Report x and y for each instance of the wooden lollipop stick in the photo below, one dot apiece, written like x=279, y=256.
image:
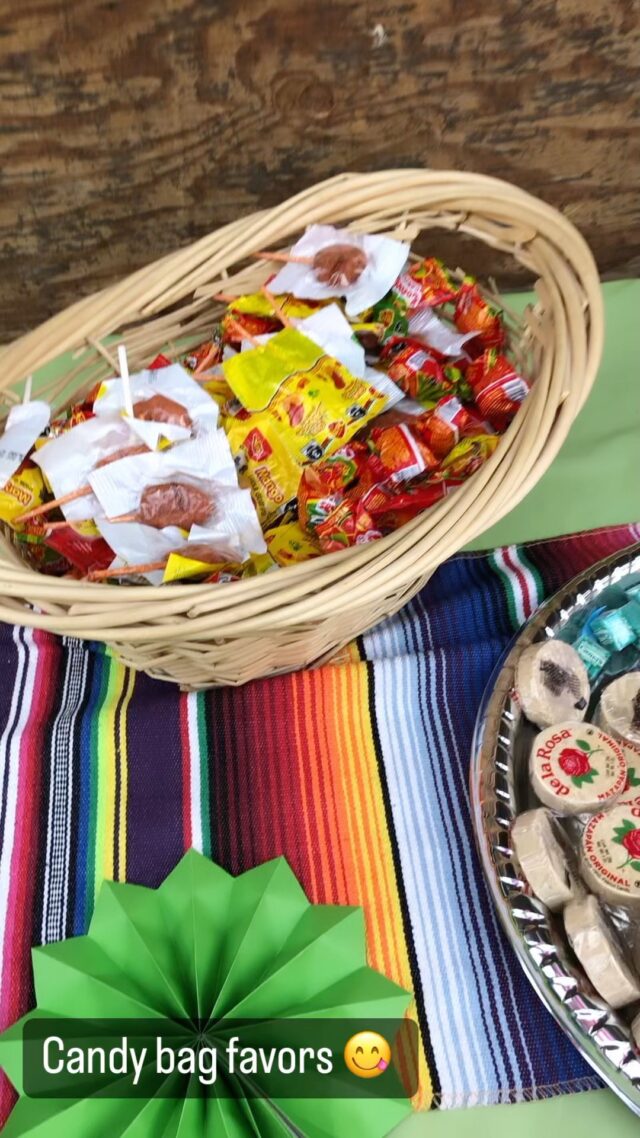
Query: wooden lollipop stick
x=126, y=570
x=241, y=331
x=287, y=258
x=72, y=496
x=133, y=517
x=277, y=307
x=208, y=359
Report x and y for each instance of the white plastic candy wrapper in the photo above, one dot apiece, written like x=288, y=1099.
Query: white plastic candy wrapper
x=207, y=458
x=599, y=953
x=68, y=460
x=386, y=259
x=174, y=383
x=25, y=423
x=135, y=544
x=543, y=858
x=233, y=530
x=435, y=333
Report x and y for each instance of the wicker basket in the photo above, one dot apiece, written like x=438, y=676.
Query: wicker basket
x=200, y=635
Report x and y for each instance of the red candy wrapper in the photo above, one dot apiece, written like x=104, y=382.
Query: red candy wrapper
x=497, y=388
x=84, y=552
x=426, y=284
x=348, y=524
x=416, y=371
x=474, y=314
x=322, y=484
x=254, y=324
x=449, y=422
x=159, y=362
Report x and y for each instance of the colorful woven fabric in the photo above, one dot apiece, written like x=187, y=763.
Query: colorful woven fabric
x=356, y=772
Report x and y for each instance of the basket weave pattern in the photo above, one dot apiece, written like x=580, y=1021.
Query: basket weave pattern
x=199, y=635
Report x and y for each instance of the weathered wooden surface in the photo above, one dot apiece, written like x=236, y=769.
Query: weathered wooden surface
x=129, y=127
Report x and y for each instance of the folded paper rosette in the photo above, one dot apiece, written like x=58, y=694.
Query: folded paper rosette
x=203, y=950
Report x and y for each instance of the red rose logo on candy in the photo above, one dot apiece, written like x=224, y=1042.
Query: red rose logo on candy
x=576, y=762
x=573, y=761
x=628, y=835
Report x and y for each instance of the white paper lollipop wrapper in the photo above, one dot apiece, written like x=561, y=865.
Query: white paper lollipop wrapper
x=173, y=382
x=135, y=544
x=435, y=333
x=67, y=461
x=233, y=530
x=25, y=423
x=386, y=259
x=205, y=459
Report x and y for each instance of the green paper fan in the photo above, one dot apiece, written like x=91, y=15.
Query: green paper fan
x=203, y=947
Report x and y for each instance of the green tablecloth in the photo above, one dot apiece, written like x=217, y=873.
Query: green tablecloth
x=595, y=481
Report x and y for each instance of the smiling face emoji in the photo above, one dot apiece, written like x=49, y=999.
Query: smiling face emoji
x=367, y=1055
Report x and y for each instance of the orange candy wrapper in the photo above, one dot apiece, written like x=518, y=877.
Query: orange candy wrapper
x=497, y=387
x=474, y=314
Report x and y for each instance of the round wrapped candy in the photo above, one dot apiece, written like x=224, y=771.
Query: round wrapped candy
x=619, y=707
x=610, y=853
x=600, y=954
x=543, y=860
x=552, y=683
x=576, y=769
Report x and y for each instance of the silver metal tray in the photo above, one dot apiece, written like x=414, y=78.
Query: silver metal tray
x=499, y=791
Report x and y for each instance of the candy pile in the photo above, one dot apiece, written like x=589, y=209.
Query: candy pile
x=355, y=391
x=580, y=848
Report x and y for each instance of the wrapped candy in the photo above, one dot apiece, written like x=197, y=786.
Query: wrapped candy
x=24, y=491
x=25, y=423
x=403, y=454
x=82, y=545
x=67, y=460
x=289, y=544
x=184, y=404
x=467, y=457
x=416, y=371
x=304, y=406
x=119, y=486
x=474, y=314
x=423, y=286
x=497, y=387
x=328, y=262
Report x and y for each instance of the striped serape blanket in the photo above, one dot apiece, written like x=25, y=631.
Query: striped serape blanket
x=357, y=772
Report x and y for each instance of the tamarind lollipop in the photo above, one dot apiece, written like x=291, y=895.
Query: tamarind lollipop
x=337, y=266
x=195, y=551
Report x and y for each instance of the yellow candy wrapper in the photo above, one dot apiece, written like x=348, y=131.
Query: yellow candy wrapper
x=289, y=543
x=468, y=456
x=257, y=304
x=179, y=567
x=24, y=490
x=265, y=464
x=303, y=406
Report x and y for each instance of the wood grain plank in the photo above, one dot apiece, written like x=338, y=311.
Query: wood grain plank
x=130, y=128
